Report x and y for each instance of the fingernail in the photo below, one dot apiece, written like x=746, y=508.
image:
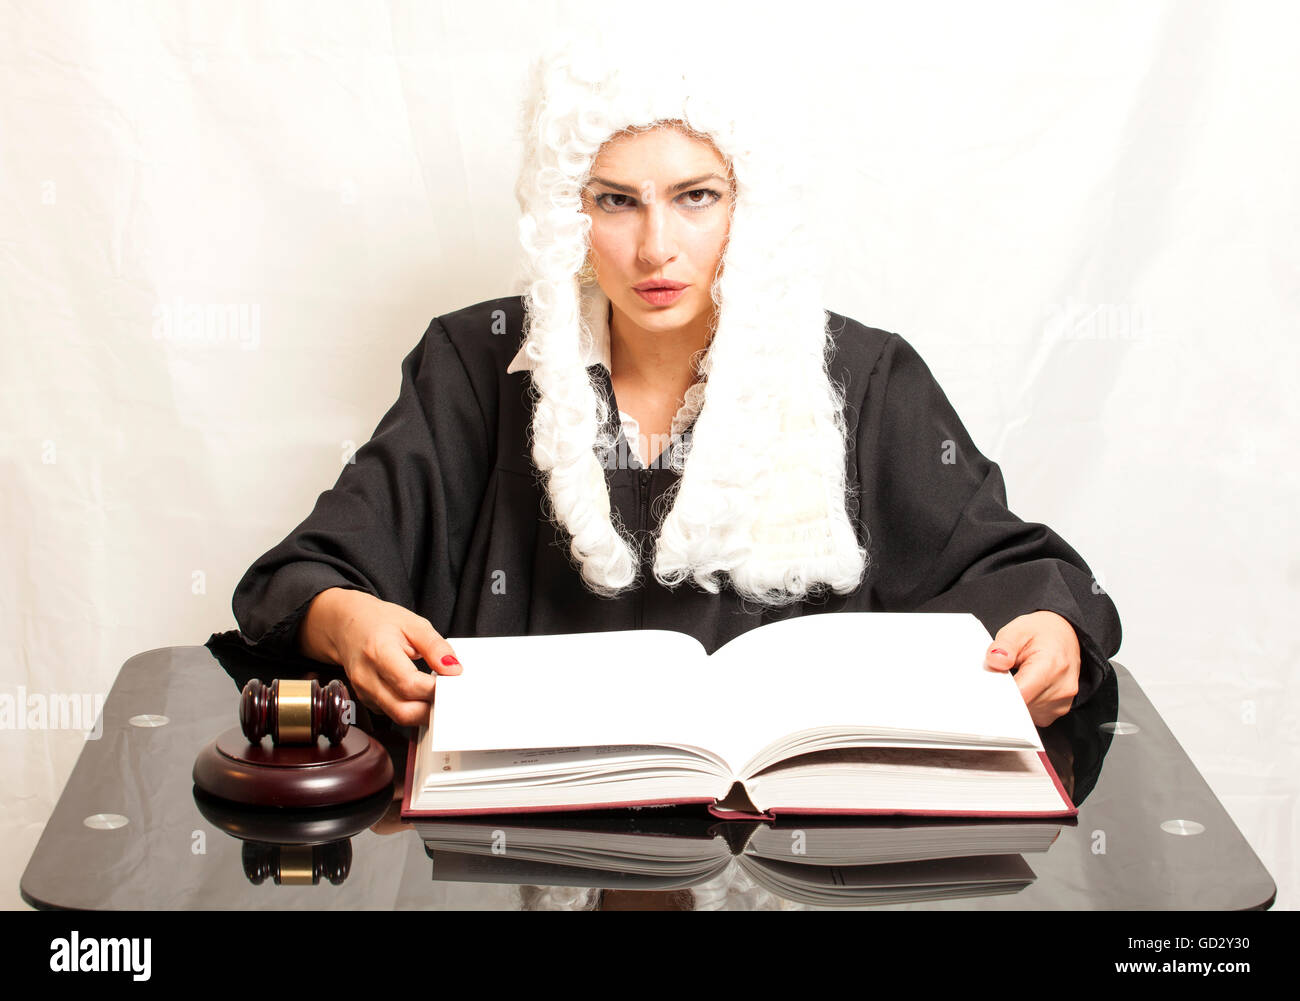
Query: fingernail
x=999, y=652
x=448, y=660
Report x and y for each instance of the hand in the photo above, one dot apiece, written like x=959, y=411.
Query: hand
x=375, y=642
x=1045, y=648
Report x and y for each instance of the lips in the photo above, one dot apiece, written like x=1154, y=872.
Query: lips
x=659, y=284
x=661, y=295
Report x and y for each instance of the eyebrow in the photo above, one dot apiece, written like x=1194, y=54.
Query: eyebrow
x=679, y=186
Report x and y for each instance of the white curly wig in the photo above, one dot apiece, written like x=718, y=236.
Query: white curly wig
x=762, y=495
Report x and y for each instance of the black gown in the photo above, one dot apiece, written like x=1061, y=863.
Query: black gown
x=442, y=512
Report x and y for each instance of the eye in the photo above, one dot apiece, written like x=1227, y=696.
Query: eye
x=598, y=199
x=713, y=198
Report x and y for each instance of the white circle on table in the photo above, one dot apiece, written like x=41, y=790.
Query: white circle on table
x=105, y=821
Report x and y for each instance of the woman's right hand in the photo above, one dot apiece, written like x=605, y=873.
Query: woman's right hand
x=375, y=642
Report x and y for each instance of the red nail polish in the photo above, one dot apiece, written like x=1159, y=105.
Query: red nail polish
x=448, y=660
x=999, y=652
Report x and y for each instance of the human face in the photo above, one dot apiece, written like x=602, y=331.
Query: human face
x=660, y=206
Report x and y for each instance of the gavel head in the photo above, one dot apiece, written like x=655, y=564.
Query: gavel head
x=293, y=711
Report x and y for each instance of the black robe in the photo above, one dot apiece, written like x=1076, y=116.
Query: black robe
x=442, y=512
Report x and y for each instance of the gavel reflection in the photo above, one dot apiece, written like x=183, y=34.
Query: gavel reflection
x=293, y=712
x=297, y=865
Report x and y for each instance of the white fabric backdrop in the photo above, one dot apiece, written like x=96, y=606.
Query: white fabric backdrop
x=1085, y=220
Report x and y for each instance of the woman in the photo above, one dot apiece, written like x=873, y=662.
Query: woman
x=667, y=430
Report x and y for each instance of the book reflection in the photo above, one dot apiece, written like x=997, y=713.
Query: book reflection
x=644, y=861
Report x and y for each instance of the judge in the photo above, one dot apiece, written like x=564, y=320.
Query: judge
x=667, y=430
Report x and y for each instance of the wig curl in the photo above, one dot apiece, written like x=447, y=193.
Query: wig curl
x=762, y=493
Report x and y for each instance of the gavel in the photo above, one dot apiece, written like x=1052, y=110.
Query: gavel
x=293, y=711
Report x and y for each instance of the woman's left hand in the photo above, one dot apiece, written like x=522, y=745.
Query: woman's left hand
x=1045, y=648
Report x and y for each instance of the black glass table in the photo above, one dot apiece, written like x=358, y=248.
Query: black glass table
x=130, y=830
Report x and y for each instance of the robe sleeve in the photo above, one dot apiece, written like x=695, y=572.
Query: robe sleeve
x=944, y=536
x=397, y=522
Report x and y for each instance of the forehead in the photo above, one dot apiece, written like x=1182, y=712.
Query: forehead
x=665, y=152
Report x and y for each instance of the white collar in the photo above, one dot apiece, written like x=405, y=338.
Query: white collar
x=595, y=310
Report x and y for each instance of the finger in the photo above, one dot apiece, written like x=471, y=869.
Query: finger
x=1047, y=711
x=362, y=685
x=431, y=646
x=408, y=713
x=1034, y=678
x=1044, y=716
x=1008, y=646
x=377, y=696
x=396, y=673
x=998, y=658
x=1046, y=686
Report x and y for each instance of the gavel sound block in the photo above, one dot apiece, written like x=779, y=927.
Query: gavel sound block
x=293, y=748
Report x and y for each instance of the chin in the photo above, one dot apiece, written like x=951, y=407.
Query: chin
x=664, y=319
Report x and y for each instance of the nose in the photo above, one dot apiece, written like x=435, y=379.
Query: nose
x=658, y=244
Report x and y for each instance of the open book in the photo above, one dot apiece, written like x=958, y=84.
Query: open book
x=834, y=713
